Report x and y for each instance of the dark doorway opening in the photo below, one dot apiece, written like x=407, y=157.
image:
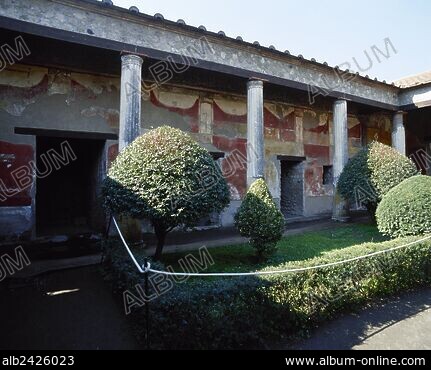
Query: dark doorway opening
x=292, y=188
x=67, y=185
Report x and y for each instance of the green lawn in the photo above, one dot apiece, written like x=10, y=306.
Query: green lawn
x=240, y=258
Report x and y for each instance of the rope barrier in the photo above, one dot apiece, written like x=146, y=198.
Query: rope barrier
x=148, y=268
x=142, y=271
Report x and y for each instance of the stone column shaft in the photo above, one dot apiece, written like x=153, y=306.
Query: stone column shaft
x=399, y=133
x=341, y=156
x=255, y=132
x=130, y=127
x=130, y=99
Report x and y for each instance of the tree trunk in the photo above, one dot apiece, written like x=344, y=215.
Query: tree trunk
x=161, y=232
x=371, y=208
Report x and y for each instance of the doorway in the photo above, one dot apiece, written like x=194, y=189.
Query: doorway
x=69, y=173
x=292, y=187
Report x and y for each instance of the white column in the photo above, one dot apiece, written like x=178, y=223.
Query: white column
x=130, y=126
x=255, y=132
x=130, y=99
x=340, y=210
x=399, y=133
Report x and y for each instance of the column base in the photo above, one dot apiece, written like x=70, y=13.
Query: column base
x=340, y=209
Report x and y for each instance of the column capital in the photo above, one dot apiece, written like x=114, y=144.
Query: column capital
x=131, y=59
x=340, y=101
x=402, y=112
x=254, y=83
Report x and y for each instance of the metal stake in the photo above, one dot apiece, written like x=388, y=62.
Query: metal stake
x=147, y=303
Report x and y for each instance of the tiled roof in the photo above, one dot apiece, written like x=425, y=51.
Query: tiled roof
x=256, y=44
x=412, y=81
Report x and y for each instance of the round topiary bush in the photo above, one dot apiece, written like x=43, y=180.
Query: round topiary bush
x=406, y=209
x=259, y=219
x=372, y=172
x=168, y=178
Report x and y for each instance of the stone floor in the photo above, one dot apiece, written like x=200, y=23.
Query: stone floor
x=403, y=322
x=71, y=309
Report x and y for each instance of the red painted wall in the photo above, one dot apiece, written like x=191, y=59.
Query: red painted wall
x=12, y=158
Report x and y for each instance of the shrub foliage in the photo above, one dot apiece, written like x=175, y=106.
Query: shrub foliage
x=372, y=172
x=168, y=178
x=406, y=209
x=259, y=219
x=249, y=312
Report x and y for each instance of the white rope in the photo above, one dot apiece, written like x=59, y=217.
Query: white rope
x=260, y=273
x=128, y=249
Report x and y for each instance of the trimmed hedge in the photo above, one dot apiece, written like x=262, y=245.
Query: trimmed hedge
x=247, y=312
x=165, y=175
x=372, y=172
x=259, y=219
x=406, y=209
x=168, y=178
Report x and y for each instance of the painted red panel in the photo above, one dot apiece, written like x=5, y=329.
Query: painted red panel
x=191, y=112
x=287, y=135
x=313, y=180
x=194, y=125
x=234, y=164
x=319, y=129
x=316, y=151
x=27, y=93
x=12, y=158
x=221, y=116
x=226, y=144
x=355, y=132
x=272, y=120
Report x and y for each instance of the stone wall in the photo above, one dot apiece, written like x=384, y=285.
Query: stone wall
x=61, y=100
x=42, y=98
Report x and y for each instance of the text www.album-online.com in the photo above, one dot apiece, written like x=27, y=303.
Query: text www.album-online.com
x=351, y=361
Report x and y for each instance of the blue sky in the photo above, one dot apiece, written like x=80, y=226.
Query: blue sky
x=330, y=31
